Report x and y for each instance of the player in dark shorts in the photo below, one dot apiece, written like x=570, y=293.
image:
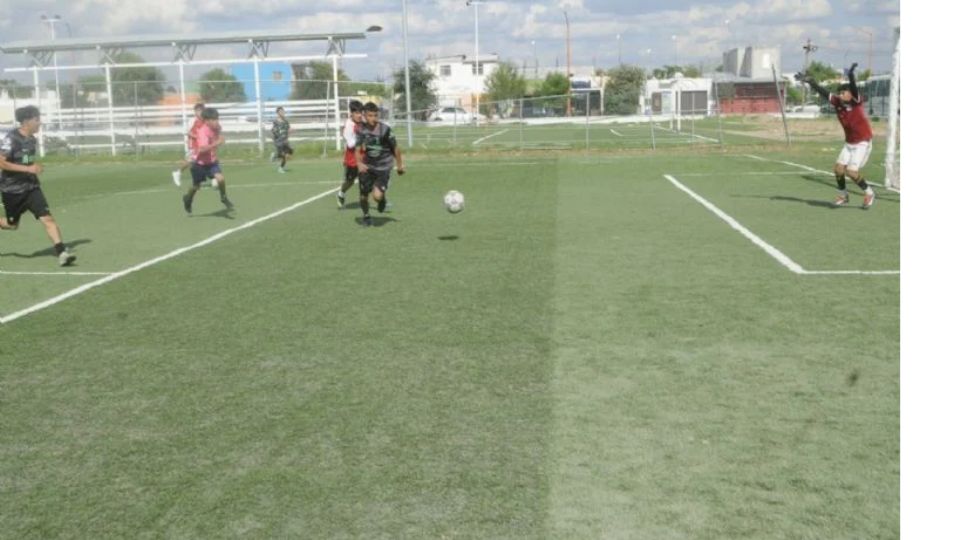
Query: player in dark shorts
x=206, y=165
x=350, y=129
x=281, y=138
x=379, y=150
x=857, y=133
x=20, y=183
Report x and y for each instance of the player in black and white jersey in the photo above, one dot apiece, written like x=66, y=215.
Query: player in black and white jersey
x=377, y=150
x=20, y=181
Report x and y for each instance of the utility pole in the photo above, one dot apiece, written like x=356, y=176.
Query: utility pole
x=808, y=49
x=569, y=72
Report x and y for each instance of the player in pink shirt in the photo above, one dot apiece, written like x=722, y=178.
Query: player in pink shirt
x=205, y=164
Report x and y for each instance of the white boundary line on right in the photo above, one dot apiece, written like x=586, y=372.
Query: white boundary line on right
x=481, y=139
x=617, y=133
x=156, y=260
x=778, y=255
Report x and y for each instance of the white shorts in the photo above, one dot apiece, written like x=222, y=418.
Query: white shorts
x=855, y=156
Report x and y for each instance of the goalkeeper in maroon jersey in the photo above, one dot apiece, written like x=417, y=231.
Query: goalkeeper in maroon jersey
x=859, y=137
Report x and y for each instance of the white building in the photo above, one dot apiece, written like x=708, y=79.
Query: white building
x=456, y=82
x=678, y=95
x=752, y=62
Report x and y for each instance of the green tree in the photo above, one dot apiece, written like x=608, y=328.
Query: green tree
x=87, y=89
x=622, y=93
x=505, y=82
x=311, y=80
x=135, y=85
x=15, y=89
x=422, y=96
x=822, y=72
x=555, y=84
x=218, y=86
x=667, y=71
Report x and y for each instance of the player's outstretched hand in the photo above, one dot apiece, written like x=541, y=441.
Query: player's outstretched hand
x=36, y=168
x=853, y=67
x=401, y=170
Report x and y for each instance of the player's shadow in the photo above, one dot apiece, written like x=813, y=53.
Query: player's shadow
x=377, y=221
x=351, y=206
x=448, y=238
x=47, y=252
x=225, y=213
x=827, y=181
x=811, y=202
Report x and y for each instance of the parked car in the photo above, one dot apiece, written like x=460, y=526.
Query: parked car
x=451, y=114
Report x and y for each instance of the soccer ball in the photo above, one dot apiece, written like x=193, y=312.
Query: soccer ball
x=454, y=202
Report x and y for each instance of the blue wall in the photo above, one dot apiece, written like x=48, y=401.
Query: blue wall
x=271, y=89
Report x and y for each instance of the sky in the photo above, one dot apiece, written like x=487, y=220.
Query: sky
x=646, y=29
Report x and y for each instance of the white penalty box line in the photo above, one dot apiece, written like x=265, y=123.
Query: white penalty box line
x=777, y=255
x=156, y=260
x=811, y=169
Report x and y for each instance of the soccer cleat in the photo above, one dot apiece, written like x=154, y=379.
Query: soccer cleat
x=341, y=200
x=842, y=199
x=66, y=258
x=367, y=221
x=281, y=170
x=176, y=178
x=188, y=204
x=868, y=199
x=226, y=202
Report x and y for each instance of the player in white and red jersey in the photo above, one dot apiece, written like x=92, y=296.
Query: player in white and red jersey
x=350, y=129
x=191, y=143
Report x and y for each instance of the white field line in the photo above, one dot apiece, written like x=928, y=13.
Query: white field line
x=180, y=251
x=778, y=255
x=481, y=139
x=230, y=186
x=771, y=173
x=772, y=251
x=711, y=139
x=15, y=273
x=806, y=168
x=617, y=133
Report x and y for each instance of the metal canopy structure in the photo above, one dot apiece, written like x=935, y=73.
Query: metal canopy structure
x=41, y=53
x=184, y=46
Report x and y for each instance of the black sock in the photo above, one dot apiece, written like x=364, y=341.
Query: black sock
x=842, y=183
x=365, y=207
x=382, y=204
x=283, y=162
x=59, y=248
x=863, y=184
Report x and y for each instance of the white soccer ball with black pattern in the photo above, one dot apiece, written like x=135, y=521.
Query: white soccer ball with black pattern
x=454, y=202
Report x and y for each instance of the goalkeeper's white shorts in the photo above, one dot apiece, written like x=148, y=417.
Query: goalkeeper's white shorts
x=854, y=156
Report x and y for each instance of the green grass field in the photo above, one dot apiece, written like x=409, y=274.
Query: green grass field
x=586, y=352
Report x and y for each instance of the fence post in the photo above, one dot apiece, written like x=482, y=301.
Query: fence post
x=326, y=123
x=36, y=89
x=183, y=108
x=336, y=97
x=256, y=86
x=783, y=112
x=653, y=132
x=716, y=107
x=588, y=120
x=113, y=133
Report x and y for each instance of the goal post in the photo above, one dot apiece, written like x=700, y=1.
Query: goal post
x=892, y=159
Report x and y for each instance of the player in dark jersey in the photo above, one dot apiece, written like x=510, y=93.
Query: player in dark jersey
x=20, y=183
x=379, y=150
x=281, y=138
x=859, y=137
x=350, y=129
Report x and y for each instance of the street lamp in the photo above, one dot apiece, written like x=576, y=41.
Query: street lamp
x=52, y=21
x=676, y=50
x=619, y=51
x=536, y=61
x=569, y=72
x=406, y=78
x=870, y=56
x=476, y=52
